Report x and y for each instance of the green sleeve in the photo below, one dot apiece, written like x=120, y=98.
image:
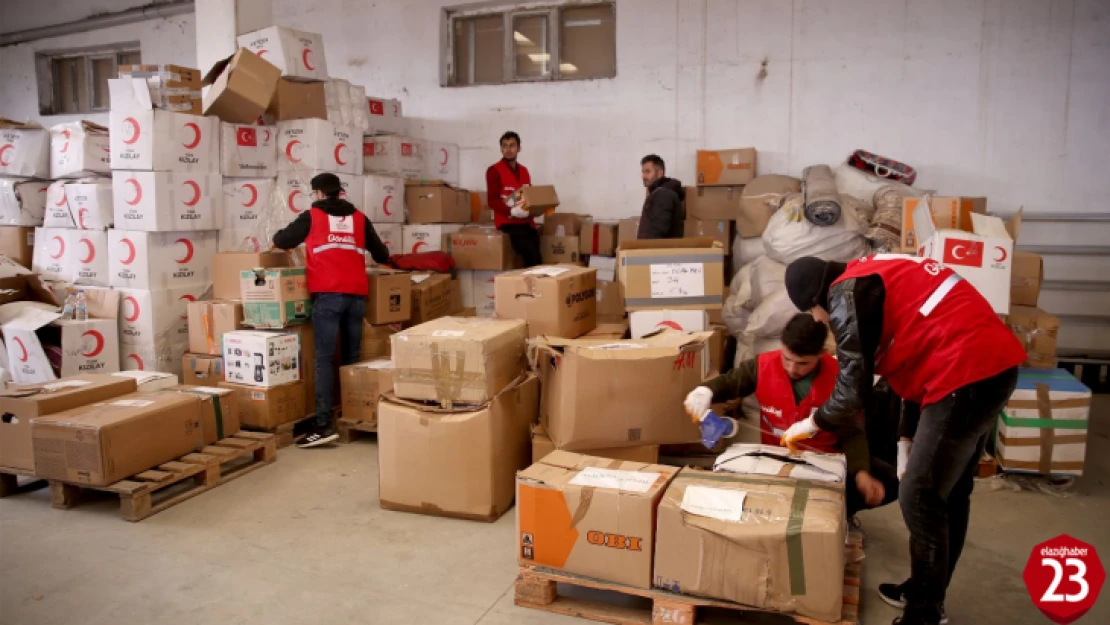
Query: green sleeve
x=736, y=384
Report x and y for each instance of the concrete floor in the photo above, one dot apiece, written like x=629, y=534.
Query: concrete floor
x=304, y=541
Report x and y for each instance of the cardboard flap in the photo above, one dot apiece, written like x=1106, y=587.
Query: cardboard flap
x=11, y=123
x=218, y=68
x=652, y=244
x=129, y=93
x=1013, y=224
x=31, y=319
x=989, y=226
x=923, y=226
x=93, y=128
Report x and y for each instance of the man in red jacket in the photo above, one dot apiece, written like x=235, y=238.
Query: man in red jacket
x=939, y=344
x=335, y=234
x=504, y=179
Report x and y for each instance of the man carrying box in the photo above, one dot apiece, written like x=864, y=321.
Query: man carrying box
x=335, y=234
x=504, y=179
x=939, y=344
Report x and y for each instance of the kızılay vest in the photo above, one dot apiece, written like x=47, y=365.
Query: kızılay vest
x=509, y=184
x=939, y=334
x=777, y=410
x=335, y=253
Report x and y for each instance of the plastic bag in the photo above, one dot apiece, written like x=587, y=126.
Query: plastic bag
x=745, y=250
x=771, y=316
x=789, y=236
x=735, y=312
x=766, y=276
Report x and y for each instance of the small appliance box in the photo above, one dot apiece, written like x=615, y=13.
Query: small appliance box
x=159, y=201
x=79, y=149
x=298, y=54
x=383, y=199
x=360, y=387
x=672, y=274
x=557, y=300
x=143, y=138
x=725, y=167
x=29, y=154
x=275, y=298
x=1043, y=428
x=319, y=144
x=258, y=358
x=248, y=151
x=393, y=155
x=390, y=299
x=590, y=516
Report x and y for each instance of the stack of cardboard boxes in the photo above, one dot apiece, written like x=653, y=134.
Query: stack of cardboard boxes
x=24, y=171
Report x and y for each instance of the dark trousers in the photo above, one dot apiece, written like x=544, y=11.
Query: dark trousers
x=880, y=470
x=936, y=490
x=336, y=318
x=526, y=242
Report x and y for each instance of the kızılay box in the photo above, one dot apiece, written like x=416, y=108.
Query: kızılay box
x=77, y=256
x=90, y=204
x=441, y=162
x=274, y=298
x=160, y=201
x=257, y=358
x=383, y=199
x=24, y=149
x=384, y=116
x=148, y=315
x=22, y=202
x=245, y=201
x=418, y=238
x=294, y=190
x=160, y=260
x=146, y=139
x=248, y=151
x=319, y=144
x=79, y=149
x=56, y=212
x=298, y=54
x=393, y=155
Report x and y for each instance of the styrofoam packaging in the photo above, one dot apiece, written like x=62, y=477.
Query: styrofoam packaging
x=145, y=139
x=441, y=162
x=418, y=238
x=248, y=151
x=246, y=202
x=24, y=150
x=160, y=201
x=383, y=199
x=384, y=116
x=388, y=154
x=53, y=253
x=296, y=53
x=295, y=191
x=22, y=202
x=318, y=144
x=161, y=355
x=260, y=358
x=56, y=211
x=160, y=260
x=243, y=241
x=79, y=149
x=88, y=257
x=145, y=315
x=392, y=235
x=90, y=204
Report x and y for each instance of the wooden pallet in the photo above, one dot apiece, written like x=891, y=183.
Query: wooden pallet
x=285, y=433
x=9, y=481
x=353, y=430
x=536, y=588
x=169, y=484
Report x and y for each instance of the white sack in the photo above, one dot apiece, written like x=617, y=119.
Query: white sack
x=771, y=316
x=745, y=250
x=790, y=236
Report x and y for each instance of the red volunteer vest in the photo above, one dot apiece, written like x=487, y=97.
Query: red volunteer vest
x=939, y=334
x=335, y=254
x=509, y=184
x=777, y=410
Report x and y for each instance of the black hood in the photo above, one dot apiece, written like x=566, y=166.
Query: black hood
x=672, y=184
x=335, y=206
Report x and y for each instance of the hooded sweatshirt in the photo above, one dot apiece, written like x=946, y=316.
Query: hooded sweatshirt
x=663, y=215
x=295, y=233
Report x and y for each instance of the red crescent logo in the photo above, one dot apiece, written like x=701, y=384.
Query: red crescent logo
x=262, y=51
x=81, y=218
x=196, y=193
x=62, y=201
x=254, y=195
x=138, y=361
x=134, y=126
x=1004, y=254
x=187, y=298
x=130, y=258
x=255, y=244
x=61, y=248
x=196, y=136
x=188, y=250
x=135, y=306
x=304, y=58
x=3, y=149
x=339, y=148
x=289, y=151
x=92, y=252
x=22, y=349
x=267, y=131
x=138, y=191
x=670, y=324
x=416, y=247
x=99, y=338
x=385, y=205
x=292, y=203
x=65, y=146
x=444, y=150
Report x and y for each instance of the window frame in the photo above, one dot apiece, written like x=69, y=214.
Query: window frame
x=49, y=88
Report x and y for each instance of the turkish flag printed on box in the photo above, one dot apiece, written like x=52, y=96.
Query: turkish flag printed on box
x=248, y=151
x=305, y=144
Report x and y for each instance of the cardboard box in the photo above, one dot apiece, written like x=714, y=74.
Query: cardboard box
x=79, y=149
x=298, y=54
x=159, y=201
x=256, y=358
x=56, y=209
x=376, y=341
x=1037, y=331
x=275, y=298
x=208, y=320
x=245, y=202
x=610, y=302
x=26, y=402
x=90, y=346
x=644, y=322
x=563, y=224
x=105, y=442
x=294, y=191
x=674, y=274
x=161, y=355
x=479, y=291
x=435, y=203
x=172, y=87
x=267, y=408
x=482, y=248
x=318, y=144
x=725, y=168
x=361, y=385
x=91, y=203
x=53, y=253
x=718, y=230
x=144, y=139
x=543, y=445
x=160, y=260
x=627, y=230
x=30, y=152
x=590, y=516
x=556, y=300
x=1025, y=279
x=384, y=117
x=219, y=410
x=608, y=330
x=983, y=257
x=1043, y=428
x=759, y=200
x=248, y=151
x=392, y=236
x=393, y=155
x=230, y=265
x=383, y=199
x=739, y=538
x=22, y=202
x=434, y=296
x=390, y=299
x=145, y=316
x=202, y=369
x=559, y=250
x=597, y=239
x=539, y=199
x=718, y=347
x=18, y=244
x=419, y=238
x=240, y=88
x=441, y=162
x=294, y=99
x=640, y=383
x=454, y=360
x=455, y=463
x=148, y=381
x=949, y=213
x=713, y=203
x=606, y=268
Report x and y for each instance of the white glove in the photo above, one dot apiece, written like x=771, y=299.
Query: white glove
x=697, y=403
x=800, y=431
x=904, y=446
x=519, y=213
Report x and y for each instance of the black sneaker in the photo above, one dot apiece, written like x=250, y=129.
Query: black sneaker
x=895, y=594
x=318, y=437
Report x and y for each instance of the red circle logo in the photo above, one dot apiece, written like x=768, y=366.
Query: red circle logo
x=5, y=148
x=134, y=316
x=191, y=145
x=138, y=361
x=196, y=193
x=1064, y=577
x=92, y=251
x=131, y=126
x=98, y=343
x=188, y=251
x=253, y=193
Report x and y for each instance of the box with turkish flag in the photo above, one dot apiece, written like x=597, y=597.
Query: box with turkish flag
x=393, y=155
x=983, y=256
x=159, y=201
x=319, y=144
x=385, y=117
x=248, y=151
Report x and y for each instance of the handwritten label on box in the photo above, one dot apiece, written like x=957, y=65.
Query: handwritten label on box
x=678, y=280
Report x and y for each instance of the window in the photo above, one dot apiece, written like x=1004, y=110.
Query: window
x=77, y=82
x=569, y=41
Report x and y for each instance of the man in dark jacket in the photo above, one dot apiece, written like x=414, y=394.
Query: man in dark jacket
x=663, y=215
x=335, y=235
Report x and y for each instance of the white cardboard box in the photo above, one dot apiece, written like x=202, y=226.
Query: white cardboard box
x=162, y=355
x=160, y=201
x=88, y=260
x=393, y=155
x=89, y=346
x=160, y=260
x=441, y=162
x=383, y=199
x=248, y=151
x=478, y=291
x=247, y=203
x=145, y=139
x=294, y=189
x=258, y=358
x=243, y=241
x=644, y=322
x=79, y=149
x=90, y=204
x=52, y=256
x=392, y=235
x=417, y=238
x=360, y=112
x=24, y=150
x=56, y=212
x=298, y=54
x=384, y=116
x=305, y=144
x=147, y=316
x=22, y=202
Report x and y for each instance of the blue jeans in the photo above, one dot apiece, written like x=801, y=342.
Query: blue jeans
x=334, y=316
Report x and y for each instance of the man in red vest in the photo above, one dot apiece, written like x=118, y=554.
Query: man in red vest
x=504, y=179
x=790, y=384
x=939, y=344
x=335, y=235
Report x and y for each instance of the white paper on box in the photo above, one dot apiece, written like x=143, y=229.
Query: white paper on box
x=417, y=238
x=91, y=204
x=629, y=481
x=245, y=202
x=132, y=403
x=160, y=260
x=383, y=199
x=56, y=212
x=550, y=272
x=298, y=54
x=248, y=151
x=79, y=149
x=22, y=202
x=155, y=201
x=54, y=387
x=716, y=503
x=144, y=139
x=677, y=280
x=305, y=144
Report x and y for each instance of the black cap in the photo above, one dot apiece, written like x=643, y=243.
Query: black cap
x=808, y=280
x=328, y=184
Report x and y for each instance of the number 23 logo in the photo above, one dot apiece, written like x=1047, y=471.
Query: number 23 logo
x=1080, y=577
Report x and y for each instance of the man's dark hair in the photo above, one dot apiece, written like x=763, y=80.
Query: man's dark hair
x=654, y=159
x=328, y=184
x=510, y=135
x=804, y=335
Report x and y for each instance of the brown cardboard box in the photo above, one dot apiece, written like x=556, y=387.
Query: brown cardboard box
x=18, y=244
x=265, y=408
x=461, y=360
x=435, y=203
x=242, y=86
x=376, y=341
x=433, y=297
x=718, y=230
x=483, y=249
x=559, y=250
x=172, y=87
x=760, y=199
x=539, y=199
x=480, y=212
x=609, y=330
x=219, y=410
x=1037, y=331
x=609, y=393
x=202, y=370
x=295, y=99
x=773, y=552
x=597, y=238
x=1026, y=278
x=275, y=298
x=390, y=299
x=360, y=386
x=713, y=203
x=455, y=463
x=103, y=443
x=308, y=361
x=563, y=224
x=22, y=402
x=717, y=344
x=590, y=516
x=209, y=320
x=725, y=167
x=226, y=267
x=672, y=274
x=948, y=213
x=543, y=445
x=556, y=300
x=610, y=304
x=627, y=230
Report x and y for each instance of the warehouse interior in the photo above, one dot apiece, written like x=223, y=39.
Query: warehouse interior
x=989, y=103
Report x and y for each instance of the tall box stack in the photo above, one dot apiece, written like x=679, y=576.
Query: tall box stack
x=24, y=169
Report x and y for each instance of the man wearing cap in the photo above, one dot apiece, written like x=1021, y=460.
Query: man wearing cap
x=335, y=235
x=940, y=345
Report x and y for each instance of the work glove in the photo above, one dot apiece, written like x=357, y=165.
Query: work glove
x=519, y=213
x=800, y=431
x=697, y=403
x=904, y=446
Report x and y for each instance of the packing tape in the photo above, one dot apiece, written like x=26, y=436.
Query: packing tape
x=692, y=257
x=794, y=557
x=1056, y=424
x=216, y=403
x=671, y=302
x=1048, y=435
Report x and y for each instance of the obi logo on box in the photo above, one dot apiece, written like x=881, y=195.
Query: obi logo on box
x=614, y=541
